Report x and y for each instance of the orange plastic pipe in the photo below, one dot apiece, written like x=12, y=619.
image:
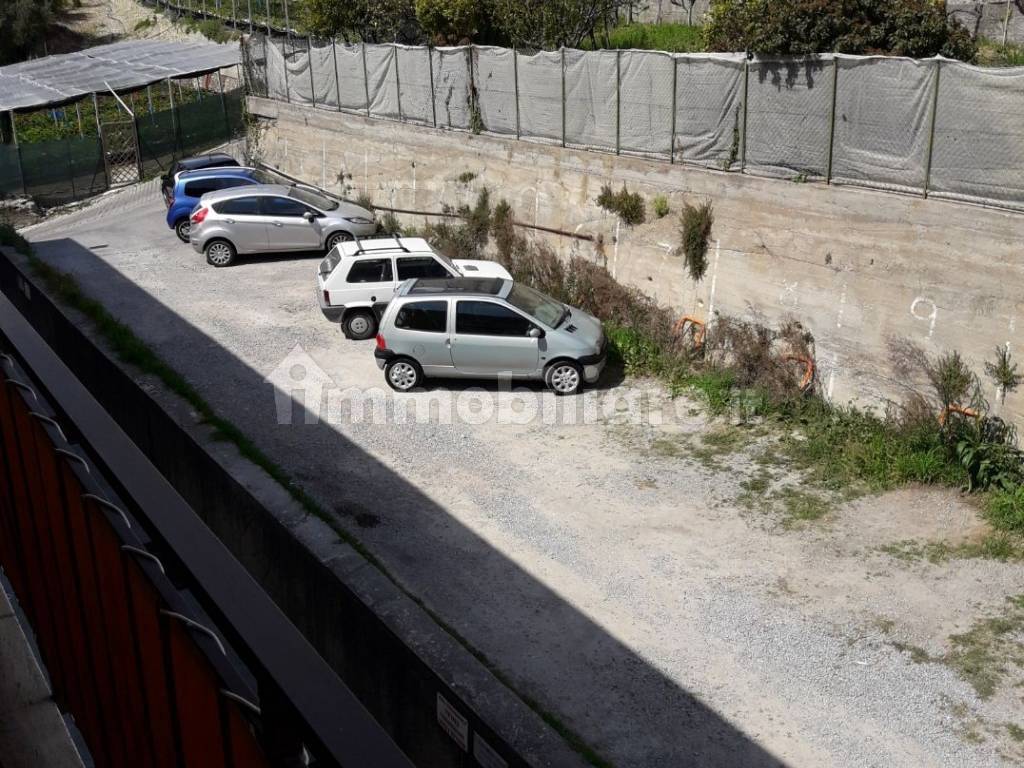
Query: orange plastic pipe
x=954, y=408
x=808, y=369
x=698, y=335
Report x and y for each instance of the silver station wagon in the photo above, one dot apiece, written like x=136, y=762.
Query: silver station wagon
x=487, y=328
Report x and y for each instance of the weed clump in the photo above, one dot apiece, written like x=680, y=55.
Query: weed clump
x=1003, y=372
x=628, y=206
x=660, y=206
x=695, y=230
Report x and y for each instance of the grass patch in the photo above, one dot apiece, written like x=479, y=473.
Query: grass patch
x=800, y=506
x=1015, y=732
x=679, y=38
x=995, y=54
x=918, y=655
x=995, y=546
x=988, y=652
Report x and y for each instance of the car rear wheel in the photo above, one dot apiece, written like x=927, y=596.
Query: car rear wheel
x=220, y=253
x=564, y=377
x=338, y=237
x=403, y=374
x=360, y=325
x=183, y=228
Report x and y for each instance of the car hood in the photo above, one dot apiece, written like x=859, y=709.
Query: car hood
x=481, y=268
x=350, y=210
x=583, y=327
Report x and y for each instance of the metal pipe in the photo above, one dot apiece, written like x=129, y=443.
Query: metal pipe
x=312, y=80
x=743, y=136
x=618, y=98
x=287, y=23
x=366, y=81
x=563, y=96
x=337, y=82
x=430, y=68
x=832, y=118
x=515, y=81
x=672, y=137
x=398, y=82
x=224, y=106
x=931, y=128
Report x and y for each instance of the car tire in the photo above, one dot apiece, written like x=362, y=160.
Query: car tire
x=337, y=237
x=564, y=377
x=220, y=253
x=360, y=325
x=182, y=229
x=403, y=374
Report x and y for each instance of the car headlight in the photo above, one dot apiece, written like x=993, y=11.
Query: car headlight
x=358, y=220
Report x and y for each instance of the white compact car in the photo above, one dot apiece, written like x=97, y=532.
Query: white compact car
x=357, y=279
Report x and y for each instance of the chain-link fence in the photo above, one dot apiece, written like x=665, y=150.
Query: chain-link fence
x=58, y=155
x=932, y=127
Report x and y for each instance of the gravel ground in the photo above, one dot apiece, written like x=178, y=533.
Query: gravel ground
x=619, y=583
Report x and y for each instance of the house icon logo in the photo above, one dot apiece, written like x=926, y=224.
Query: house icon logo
x=297, y=379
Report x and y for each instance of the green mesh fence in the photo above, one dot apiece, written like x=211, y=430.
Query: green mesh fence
x=158, y=142
x=202, y=124
x=10, y=170
x=88, y=175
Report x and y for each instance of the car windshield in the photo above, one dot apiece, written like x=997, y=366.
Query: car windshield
x=312, y=198
x=537, y=305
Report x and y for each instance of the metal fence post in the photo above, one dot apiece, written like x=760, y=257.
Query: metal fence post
x=224, y=106
x=398, y=82
x=618, y=98
x=287, y=82
x=471, y=96
x=366, y=81
x=78, y=114
x=17, y=149
x=287, y=23
x=337, y=82
x=672, y=138
x=430, y=69
x=515, y=80
x=268, y=17
x=832, y=119
x=250, y=15
x=71, y=169
x=743, y=136
x=309, y=61
x=563, y=95
x=174, y=116
x=931, y=128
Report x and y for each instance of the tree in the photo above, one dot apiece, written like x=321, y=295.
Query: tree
x=916, y=28
x=553, y=23
x=451, y=22
x=24, y=24
x=373, y=21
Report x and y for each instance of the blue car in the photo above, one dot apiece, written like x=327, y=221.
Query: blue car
x=183, y=191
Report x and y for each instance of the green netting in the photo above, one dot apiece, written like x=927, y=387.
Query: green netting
x=202, y=124
x=236, y=119
x=10, y=170
x=158, y=142
x=63, y=170
x=88, y=175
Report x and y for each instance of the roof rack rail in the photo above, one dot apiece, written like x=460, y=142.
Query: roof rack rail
x=361, y=249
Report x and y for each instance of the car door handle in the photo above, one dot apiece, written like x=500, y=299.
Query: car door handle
x=229, y=221
x=277, y=223
x=447, y=342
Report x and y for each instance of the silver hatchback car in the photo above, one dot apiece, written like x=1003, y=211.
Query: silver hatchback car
x=273, y=218
x=490, y=328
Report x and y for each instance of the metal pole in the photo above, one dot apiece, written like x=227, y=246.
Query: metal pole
x=250, y=15
x=743, y=136
x=99, y=137
x=366, y=81
x=398, y=82
x=931, y=128
x=1006, y=20
x=71, y=170
x=618, y=98
x=474, y=110
x=234, y=13
x=287, y=23
x=149, y=98
x=337, y=83
x=21, y=168
x=78, y=114
x=672, y=137
x=224, y=106
x=268, y=17
x=312, y=80
x=832, y=119
x=515, y=80
x=284, y=59
x=563, y=96
x=430, y=68
x=174, y=116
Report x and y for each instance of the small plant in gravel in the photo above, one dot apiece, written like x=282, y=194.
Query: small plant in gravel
x=628, y=206
x=660, y=206
x=465, y=177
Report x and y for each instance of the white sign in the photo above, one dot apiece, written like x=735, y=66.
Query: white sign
x=454, y=724
x=485, y=755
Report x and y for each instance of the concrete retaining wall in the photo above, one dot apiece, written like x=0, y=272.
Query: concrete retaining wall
x=856, y=267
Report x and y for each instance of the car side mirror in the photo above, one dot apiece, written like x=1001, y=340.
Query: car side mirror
x=535, y=333
x=308, y=216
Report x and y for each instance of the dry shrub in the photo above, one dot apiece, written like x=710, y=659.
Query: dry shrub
x=759, y=357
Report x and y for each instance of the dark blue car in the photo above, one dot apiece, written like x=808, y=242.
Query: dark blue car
x=183, y=192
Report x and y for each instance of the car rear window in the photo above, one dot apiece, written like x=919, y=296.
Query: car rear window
x=239, y=206
x=200, y=187
x=430, y=316
x=370, y=271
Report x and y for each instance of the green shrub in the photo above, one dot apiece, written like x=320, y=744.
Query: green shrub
x=1005, y=509
x=676, y=38
x=628, y=206
x=915, y=28
x=1003, y=372
x=695, y=224
x=660, y=205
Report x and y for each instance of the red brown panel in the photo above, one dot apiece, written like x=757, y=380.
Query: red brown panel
x=146, y=605
x=196, y=690
x=245, y=749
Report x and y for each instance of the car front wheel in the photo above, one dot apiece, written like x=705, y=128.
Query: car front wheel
x=403, y=374
x=183, y=228
x=338, y=237
x=360, y=325
x=564, y=377
x=220, y=253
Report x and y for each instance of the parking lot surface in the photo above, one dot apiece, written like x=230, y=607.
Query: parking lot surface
x=618, y=582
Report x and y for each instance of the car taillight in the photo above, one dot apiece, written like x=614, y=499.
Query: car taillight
x=380, y=342
x=327, y=297
x=198, y=216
